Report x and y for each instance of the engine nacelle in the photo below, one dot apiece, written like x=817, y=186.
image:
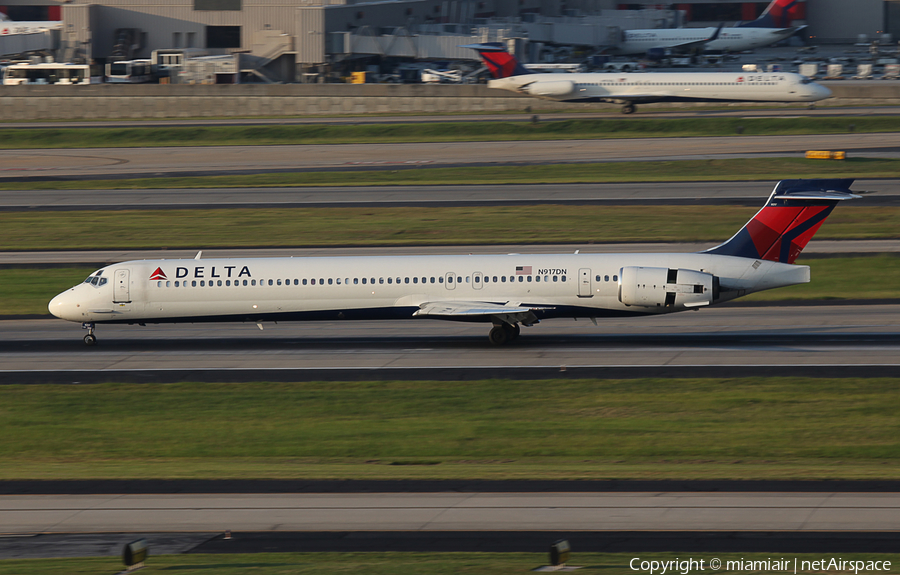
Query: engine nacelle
x=664, y=287
x=551, y=89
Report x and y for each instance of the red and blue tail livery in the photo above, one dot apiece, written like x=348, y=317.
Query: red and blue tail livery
x=792, y=215
x=498, y=60
x=779, y=14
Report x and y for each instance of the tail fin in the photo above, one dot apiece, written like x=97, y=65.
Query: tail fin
x=498, y=60
x=778, y=14
x=792, y=215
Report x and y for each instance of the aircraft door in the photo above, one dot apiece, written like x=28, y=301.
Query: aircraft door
x=584, y=283
x=121, y=286
x=450, y=280
x=477, y=279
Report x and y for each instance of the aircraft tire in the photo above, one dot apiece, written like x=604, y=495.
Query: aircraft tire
x=90, y=339
x=512, y=331
x=628, y=109
x=499, y=335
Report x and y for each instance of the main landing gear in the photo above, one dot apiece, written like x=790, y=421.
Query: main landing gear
x=629, y=108
x=504, y=333
x=90, y=338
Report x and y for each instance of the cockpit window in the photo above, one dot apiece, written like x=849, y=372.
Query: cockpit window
x=805, y=80
x=95, y=280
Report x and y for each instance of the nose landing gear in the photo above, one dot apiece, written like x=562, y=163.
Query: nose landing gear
x=90, y=339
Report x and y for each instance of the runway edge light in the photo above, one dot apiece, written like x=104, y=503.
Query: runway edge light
x=134, y=554
x=559, y=556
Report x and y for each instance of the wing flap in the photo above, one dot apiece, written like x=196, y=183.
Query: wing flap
x=509, y=312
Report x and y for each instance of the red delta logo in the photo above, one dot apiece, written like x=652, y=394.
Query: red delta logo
x=740, y=79
x=158, y=275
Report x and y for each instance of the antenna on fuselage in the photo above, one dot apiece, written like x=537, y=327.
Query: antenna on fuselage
x=197, y=257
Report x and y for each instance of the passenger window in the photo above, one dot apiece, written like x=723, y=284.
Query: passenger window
x=296, y=282
x=176, y=283
x=252, y=282
x=277, y=281
x=563, y=278
x=406, y=280
x=304, y=281
x=555, y=278
x=521, y=279
x=615, y=278
x=440, y=279
x=477, y=279
x=312, y=281
x=597, y=278
x=194, y=283
x=546, y=278
x=380, y=281
x=503, y=278
x=606, y=278
x=228, y=283
x=372, y=281
x=529, y=278
x=415, y=280
x=202, y=283
x=219, y=283
x=329, y=281
x=272, y=282
x=389, y=280
x=364, y=281
x=432, y=279
x=321, y=281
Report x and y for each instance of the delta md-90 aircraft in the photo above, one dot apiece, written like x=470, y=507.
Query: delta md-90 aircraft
x=630, y=89
x=505, y=291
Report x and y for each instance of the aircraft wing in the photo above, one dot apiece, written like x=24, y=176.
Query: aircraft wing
x=687, y=46
x=509, y=312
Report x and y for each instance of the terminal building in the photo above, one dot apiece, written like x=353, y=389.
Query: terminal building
x=297, y=40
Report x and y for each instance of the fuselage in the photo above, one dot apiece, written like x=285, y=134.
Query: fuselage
x=667, y=86
x=396, y=287
x=734, y=39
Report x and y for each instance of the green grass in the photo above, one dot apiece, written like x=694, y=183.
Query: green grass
x=435, y=132
x=495, y=429
x=760, y=169
x=399, y=226
x=402, y=563
x=27, y=291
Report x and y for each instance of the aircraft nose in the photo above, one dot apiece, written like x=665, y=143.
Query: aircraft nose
x=822, y=92
x=63, y=306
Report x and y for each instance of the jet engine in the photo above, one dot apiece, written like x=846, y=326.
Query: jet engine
x=550, y=89
x=664, y=287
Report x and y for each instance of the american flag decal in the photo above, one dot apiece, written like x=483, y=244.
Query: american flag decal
x=523, y=270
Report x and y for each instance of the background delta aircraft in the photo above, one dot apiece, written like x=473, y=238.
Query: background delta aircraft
x=630, y=89
x=502, y=290
x=8, y=27
x=773, y=25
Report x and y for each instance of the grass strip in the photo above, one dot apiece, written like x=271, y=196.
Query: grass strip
x=582, y=128
x=26, y=291
x=749, y=169
x=398, y=226
x=743, y=428
x=416, y=563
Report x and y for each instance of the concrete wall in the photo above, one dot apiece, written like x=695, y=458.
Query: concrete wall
x=179, y=101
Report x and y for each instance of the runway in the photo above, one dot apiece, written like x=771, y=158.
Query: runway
x=750, y=194
x=224, y=160
x=120, y=513
x=833, y=340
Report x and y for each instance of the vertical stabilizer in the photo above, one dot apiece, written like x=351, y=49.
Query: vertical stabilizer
x=792, y=215
x=778, y=14
x=498, y=60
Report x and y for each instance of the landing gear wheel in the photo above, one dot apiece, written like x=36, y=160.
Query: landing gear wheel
x=811, y=106
x=628, y=109
x=512, y=331
x=499, y=335
x=90, y=339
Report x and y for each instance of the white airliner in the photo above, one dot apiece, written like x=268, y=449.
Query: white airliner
x=10, y=27
x=502, y=290
x=630, y=89
x=772, y=26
